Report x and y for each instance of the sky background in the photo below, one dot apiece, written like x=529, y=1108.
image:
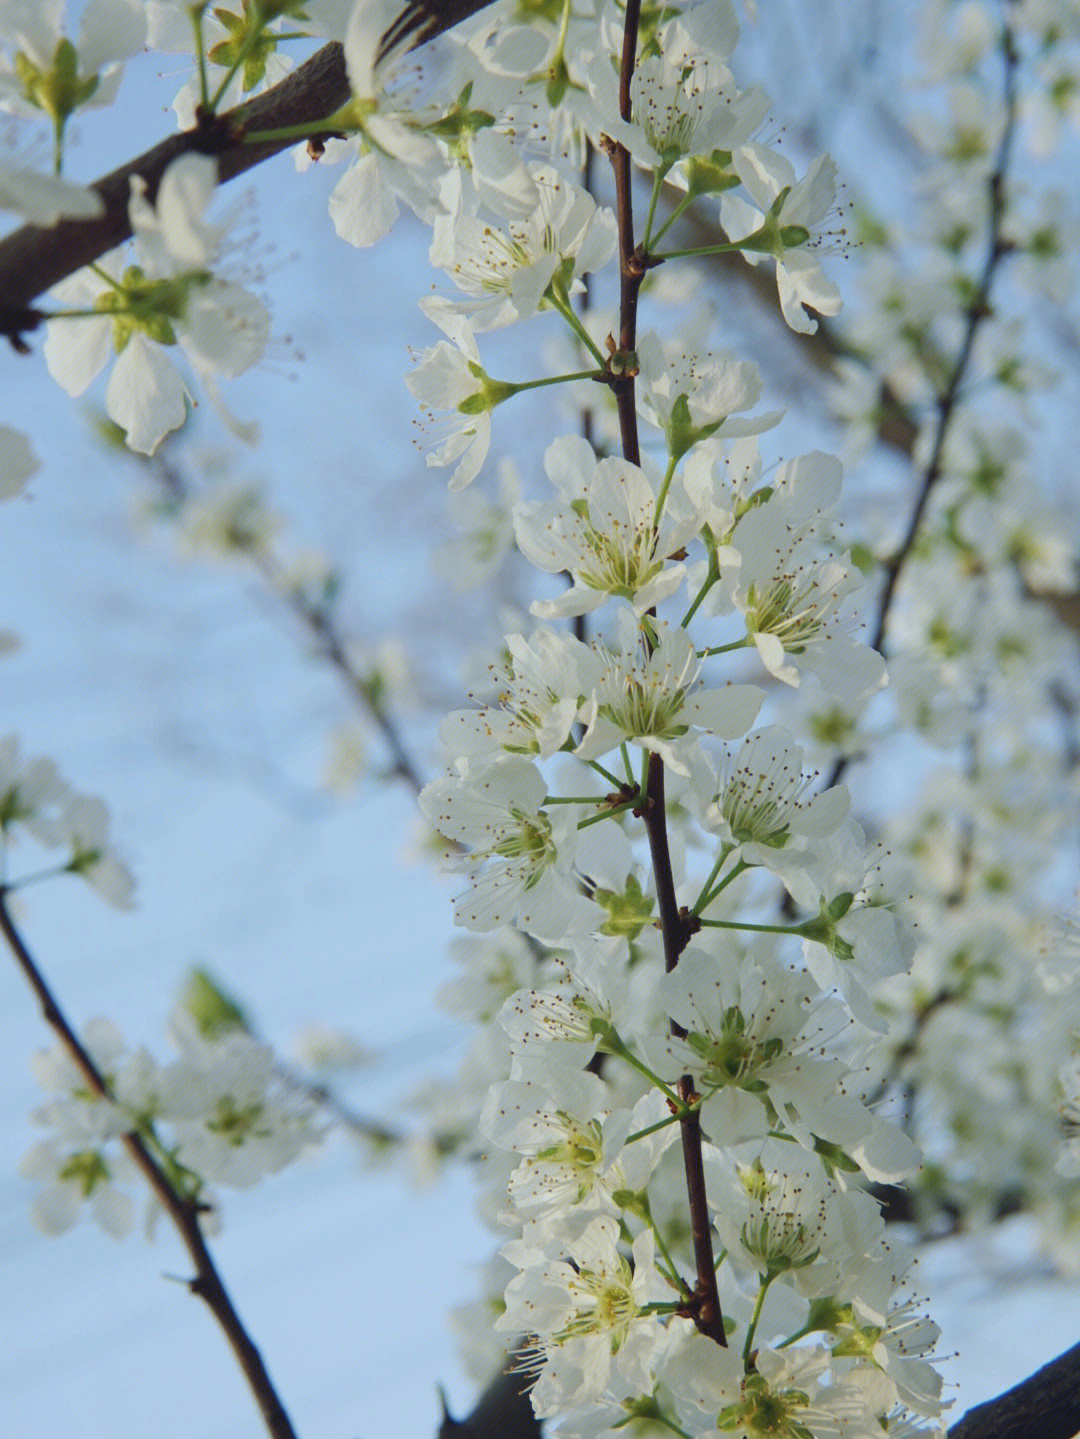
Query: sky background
x=183, y=694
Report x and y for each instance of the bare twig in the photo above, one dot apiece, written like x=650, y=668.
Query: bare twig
x=978, y=310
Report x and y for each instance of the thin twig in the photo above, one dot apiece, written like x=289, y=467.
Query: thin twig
x=978, y=310
x=184, y=1213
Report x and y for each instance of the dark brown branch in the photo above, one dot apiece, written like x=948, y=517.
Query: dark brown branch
x=1044, y=1406
x=35, y=258
x=503, y=1411
x=704, y=1307
x=183, y=1212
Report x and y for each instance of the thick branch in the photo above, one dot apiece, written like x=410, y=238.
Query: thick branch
x=184, y=1213
x=35, y=258
x=503, y=1411
x=1045, y=1406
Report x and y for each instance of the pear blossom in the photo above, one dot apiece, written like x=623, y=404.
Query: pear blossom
x=449, y=378
x=763, y=810
x=521, y=859
x=582, y=1302
x=392, y=158
x=787, y=224
x=685, y=105
x=581, y=1010
x=508, y=273
x=232, y=1119
x=70, y=1179
x=646, y=694
x=171, y=297
x=783, y=1215
x=563, y=1131
x=32, y=793
x=604, y=530
x=691, y=397
x=55, y=75
x=793, y=593
x=83, y=826
x=539, y=695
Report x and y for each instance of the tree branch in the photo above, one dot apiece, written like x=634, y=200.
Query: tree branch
x=35, y=258
x=1045, y=1406
x=183, y=1212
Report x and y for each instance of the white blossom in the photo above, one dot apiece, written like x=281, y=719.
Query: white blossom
x=604, y=530
x=521, y=859
x=787, y=224
x=647, y=694
x=507, y=273
x=171, y=297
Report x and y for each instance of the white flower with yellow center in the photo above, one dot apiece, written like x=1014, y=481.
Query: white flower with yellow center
x=793, y=591
x=520, y=859
x=507, y=273
x=646, y=695
x=585, y=1306
x=603, y=530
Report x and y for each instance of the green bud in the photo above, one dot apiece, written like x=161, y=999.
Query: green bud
x=792, y=236
x=58, y=90
x=682, y=434
x=628, y=912
x=214, y=1011
x=834, y=1159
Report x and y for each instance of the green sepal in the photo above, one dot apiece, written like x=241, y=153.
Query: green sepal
x=248, y=42
x=58, y=90
x=85, y=1168
x=491, y=392
x=834, y=1159
x=710, y=174
x=214, y=1011
x=629, y=911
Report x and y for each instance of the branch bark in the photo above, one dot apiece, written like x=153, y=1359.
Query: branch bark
x=1044, y=1406
x=35, y=258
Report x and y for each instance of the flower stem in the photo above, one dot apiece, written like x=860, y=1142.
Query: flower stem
x=566, y=310
x=752, y=1326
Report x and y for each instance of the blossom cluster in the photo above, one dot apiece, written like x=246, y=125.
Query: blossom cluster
x=675, y=1030
x=219, y=1114
x=709, y=1035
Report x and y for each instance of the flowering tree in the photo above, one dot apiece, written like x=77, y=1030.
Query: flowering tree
x=737, y=1023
